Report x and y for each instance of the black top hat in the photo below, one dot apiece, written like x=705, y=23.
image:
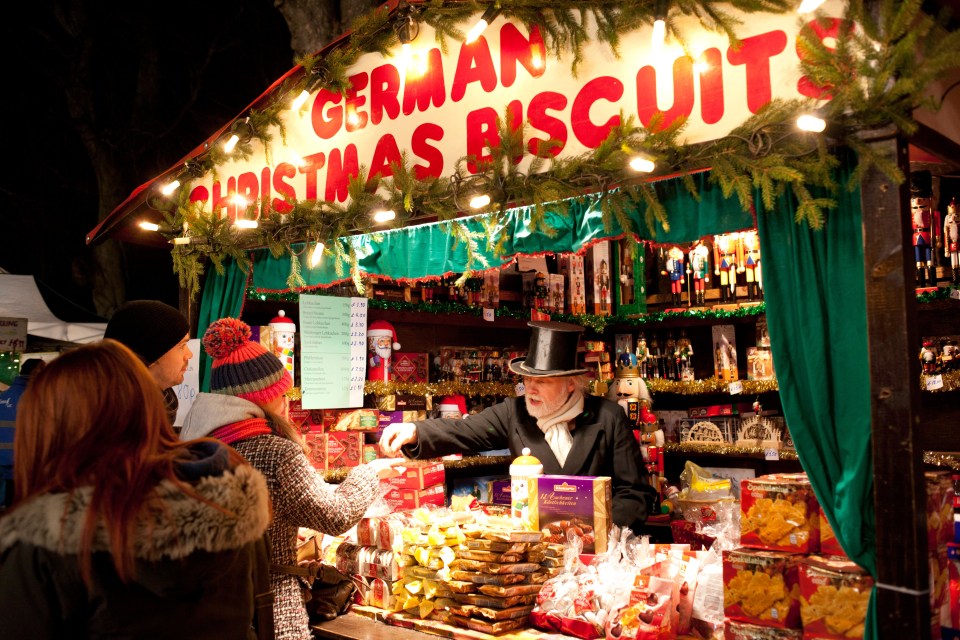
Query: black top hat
x=552, y=352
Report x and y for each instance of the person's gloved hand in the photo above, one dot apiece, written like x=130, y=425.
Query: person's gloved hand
x=397, y=435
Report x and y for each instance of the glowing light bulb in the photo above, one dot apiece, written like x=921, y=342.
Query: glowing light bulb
x=299, y=100
x=296, y=160
x=149, y=226
x=170, y=187
x=317, y=254
x=238, y=200
x=808, y=122
x=181, y=240
x=479, y=202
x=241, y=223
x=809, y=5
x=701, y=66
x=642, y=164
x=384, y=216
x=476, y=30
x=353, y=119
x=536, y=59
x=231, y=144
x=659, y=34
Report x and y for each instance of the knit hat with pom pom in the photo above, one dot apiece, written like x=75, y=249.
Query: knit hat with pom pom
x=243, y=368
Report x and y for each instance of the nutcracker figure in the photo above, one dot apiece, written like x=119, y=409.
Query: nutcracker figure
x=642, y=354
x=685, y=356
x=426, y=291
x=727, y=257
x=603, y=285
x=673, y=267
x=698, y=267
x=951, y=241
x=751, y=265
x=381, y=343
x=922, y=218
x=627, y=247
x=630, y=392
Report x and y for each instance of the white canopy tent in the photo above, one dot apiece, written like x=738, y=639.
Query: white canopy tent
x=20, y=298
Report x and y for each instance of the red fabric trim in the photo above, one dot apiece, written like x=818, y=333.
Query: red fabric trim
x=242, y=430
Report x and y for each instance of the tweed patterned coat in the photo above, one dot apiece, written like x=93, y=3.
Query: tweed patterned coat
x=194, y=562
x=301, y=498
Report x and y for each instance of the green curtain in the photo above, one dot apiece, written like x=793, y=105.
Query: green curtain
x=817, y=316
x=427, y=250
x=223, y=296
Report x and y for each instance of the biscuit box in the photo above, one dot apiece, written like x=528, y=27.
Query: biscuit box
x=833, y=598
x=410, y=367
x=419, y=474
x=305, y=420
x=734, y=630
x=400, y=499
x=779, y=512
x=951, y=626
x=940, y=494
x=335, y=450
x=498, y=491
x=351, y=419
x=581, y=503
x=761, y=587
x=829, y=545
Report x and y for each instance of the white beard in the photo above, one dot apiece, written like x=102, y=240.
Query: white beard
x=545, y=408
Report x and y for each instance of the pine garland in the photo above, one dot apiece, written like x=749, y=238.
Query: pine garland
x=876, y=77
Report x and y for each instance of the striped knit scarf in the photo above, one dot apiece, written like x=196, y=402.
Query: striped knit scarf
x=242, y=430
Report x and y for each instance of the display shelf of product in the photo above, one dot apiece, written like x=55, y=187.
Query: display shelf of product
x=725, y=450
x=708, y=385
x=465, y=467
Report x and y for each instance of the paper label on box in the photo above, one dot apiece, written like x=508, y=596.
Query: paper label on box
x=735, y=388
x=488, y=315
x=771, y=454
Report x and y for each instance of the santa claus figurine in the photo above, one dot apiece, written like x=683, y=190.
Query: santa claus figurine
x=381, y=343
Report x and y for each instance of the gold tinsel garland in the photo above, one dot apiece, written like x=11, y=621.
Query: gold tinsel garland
x=710, y=385
x=467, y=462
x=725, y=450
x=941, y=459
x=439, y=388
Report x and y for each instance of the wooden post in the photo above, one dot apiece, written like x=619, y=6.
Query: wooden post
x=190, y=308
x=903, y=596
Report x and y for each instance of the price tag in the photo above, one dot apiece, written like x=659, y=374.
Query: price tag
x=934, y=382
x=519, y=389
x=735, y=388
x=488, y=315
x=955, y=294
x=771, y=454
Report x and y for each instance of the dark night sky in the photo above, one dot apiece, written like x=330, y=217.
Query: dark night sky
x=48, y=192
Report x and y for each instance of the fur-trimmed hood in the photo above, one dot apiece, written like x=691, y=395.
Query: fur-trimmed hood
x=173, y=526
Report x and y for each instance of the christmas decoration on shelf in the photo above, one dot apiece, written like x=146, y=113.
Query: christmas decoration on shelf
x=710, y=385
x=947, y=460
x=766, y=155
x=723, y=450
x=951, y=382
x=447, y=388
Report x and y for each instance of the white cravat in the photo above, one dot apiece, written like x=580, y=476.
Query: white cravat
x=556, y=426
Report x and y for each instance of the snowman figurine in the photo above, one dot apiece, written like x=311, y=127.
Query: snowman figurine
x=284, y=332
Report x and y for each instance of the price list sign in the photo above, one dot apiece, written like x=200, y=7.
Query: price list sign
x=332, y=351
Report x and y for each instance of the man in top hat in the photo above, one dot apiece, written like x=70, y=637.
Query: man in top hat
x=570, y=431
x=158, y=334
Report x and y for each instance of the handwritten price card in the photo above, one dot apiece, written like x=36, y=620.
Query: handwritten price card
x=333, y=347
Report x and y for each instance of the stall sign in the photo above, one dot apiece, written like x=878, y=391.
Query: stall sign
x=13, y=334
x=438, y=107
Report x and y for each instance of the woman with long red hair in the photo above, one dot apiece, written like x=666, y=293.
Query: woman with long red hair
x=119, y=529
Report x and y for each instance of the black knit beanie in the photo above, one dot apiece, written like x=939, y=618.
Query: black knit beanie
x=149, y=328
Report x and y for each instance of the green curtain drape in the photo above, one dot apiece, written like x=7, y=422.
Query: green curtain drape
x=223, y=296
x=428, y=250
x=817, y=317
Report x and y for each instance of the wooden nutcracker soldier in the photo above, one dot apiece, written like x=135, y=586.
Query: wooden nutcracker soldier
x=922, y=219
x=727, y=256
x=602, y=284
x=751, y=265
x=698, y=267
x=642, y=354
x=673, y=267
x=630, y=392
x=951, y=241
